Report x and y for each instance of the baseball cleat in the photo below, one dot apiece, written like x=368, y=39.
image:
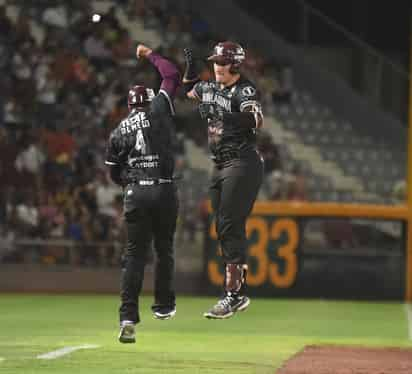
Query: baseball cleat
x=127, y=333
x=165, y=312
x=228, y=306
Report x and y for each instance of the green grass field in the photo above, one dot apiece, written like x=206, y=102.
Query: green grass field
x=256, y=341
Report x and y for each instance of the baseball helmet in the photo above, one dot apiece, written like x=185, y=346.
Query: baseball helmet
x=225, y=53
x=139, y=96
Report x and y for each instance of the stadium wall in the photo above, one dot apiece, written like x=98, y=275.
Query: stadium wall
x=70, y=279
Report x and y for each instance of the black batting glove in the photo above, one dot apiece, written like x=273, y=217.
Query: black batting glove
x=190, y=69
x=211, y=111
x=188, y=53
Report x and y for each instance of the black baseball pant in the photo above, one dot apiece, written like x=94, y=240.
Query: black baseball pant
x=233, y=191
x=150, y=214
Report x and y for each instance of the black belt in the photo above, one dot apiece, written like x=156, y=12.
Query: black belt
x=226, y=156
x=150, y=181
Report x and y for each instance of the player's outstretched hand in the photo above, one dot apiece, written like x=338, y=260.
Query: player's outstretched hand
x=143, y=51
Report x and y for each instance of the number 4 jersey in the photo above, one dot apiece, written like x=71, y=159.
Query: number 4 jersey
x=142, y=143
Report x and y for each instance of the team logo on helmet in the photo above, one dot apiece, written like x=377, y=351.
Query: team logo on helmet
x=133, y=98
x=219, y=50
x=139, y=95
x=228, y=53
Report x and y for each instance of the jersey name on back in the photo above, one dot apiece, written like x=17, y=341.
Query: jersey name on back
x=133, y=123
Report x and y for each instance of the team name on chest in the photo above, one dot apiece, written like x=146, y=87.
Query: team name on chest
x=212, y=97
x=132, y=124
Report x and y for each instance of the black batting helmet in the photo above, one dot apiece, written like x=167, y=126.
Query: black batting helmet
x=225, y=53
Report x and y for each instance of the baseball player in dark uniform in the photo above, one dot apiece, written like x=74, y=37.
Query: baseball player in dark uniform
x=231, y=107
x=141, y=160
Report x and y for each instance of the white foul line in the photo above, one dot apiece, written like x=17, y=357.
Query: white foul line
x=65, y=351
x=408, y=310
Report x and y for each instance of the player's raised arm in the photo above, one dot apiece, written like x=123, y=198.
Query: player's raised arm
x=168, y=71
x=191, y=76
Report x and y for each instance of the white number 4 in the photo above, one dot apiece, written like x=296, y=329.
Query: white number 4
x=140, y=143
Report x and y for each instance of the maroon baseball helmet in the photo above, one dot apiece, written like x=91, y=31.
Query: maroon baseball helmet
x=138, y=97
x=225, y=53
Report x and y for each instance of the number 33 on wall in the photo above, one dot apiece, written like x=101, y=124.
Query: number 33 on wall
x=266, y=270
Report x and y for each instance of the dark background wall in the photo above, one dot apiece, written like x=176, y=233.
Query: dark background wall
x=384, y=25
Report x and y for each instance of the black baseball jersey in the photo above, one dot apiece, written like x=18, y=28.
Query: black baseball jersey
x=235, y=98
x=142, y=143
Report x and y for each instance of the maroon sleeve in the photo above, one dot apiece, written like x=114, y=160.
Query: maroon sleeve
x=168, y=71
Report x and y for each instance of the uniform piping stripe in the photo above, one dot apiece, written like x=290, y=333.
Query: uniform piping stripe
x=247, y=103
x=172, y=109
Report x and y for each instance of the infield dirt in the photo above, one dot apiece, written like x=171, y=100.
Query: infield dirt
x=348, y=360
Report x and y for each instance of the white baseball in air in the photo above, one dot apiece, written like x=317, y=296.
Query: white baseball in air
x=96, y=17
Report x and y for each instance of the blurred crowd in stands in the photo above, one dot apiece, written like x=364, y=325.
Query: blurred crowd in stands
x=62, y=94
